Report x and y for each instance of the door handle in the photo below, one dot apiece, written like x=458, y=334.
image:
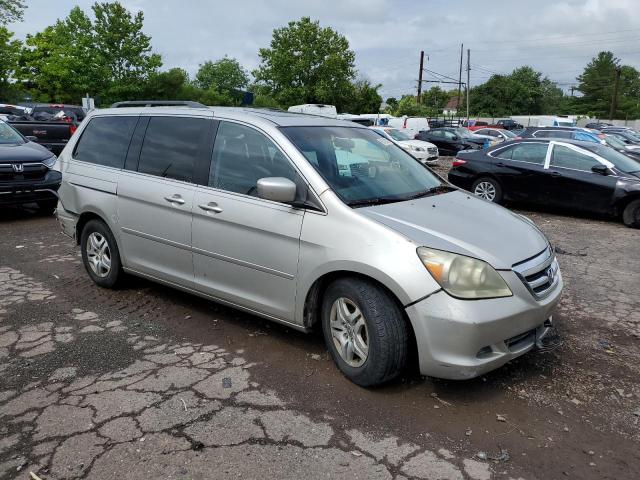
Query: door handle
x=556, y=174
x=211, y=207
x=177, y=199
x=499, y=164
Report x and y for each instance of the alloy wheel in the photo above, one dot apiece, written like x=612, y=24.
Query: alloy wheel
x=349, y=332
x=485, y=190
x=98, y=254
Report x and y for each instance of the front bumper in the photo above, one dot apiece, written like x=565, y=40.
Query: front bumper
x=462, y=339
x=28, y=191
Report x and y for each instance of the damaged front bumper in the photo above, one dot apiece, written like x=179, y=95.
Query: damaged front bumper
x=462, y=339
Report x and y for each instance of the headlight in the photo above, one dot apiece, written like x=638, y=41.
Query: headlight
x=416, y=149
x=50, y=162
x=463, y=277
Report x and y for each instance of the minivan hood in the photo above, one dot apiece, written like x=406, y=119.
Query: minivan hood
x=461, y=223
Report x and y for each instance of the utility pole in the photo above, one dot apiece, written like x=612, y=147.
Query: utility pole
x=458, y=101
x=614, y=100
x=420, y=76
x=468, y=78
x=572, y=89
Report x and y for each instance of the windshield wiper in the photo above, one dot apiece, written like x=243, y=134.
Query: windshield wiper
x=432, y=191
x=374, y=201
x=382, y=200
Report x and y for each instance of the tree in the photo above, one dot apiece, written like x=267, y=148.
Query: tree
x=410, y=107
x=225, y=75
x=306, y=63
x=363, y=98
x=392, y=103
x=9, y=55
x=435, y=98
x=11, y=11
x=122, y=50
x=596, y=85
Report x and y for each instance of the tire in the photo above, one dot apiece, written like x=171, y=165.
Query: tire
x=94, y=254
x=631, y=214
x=487, y=188
x=381, y=324
x=47, y=207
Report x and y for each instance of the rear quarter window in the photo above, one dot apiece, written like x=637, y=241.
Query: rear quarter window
x=105, y=141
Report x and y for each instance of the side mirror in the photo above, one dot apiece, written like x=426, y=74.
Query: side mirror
x=600, y=169
x=456, y=137
x=31, y=138
x=277, y=189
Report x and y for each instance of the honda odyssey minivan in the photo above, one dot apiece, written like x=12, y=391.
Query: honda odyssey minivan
x=309, y=222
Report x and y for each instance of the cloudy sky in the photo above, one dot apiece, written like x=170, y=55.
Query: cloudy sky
x=557, y=37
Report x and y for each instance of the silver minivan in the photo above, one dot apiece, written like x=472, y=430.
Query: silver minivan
x=309, y=222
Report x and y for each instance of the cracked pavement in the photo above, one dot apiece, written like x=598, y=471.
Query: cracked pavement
x=146, y=382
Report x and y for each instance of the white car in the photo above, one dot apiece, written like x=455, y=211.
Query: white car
x=497, y=134
x=426, y=152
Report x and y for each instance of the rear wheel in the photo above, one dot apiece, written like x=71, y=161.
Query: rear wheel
x=631, y=214
x=365, y=331
x=487, y=188
x=100, y=254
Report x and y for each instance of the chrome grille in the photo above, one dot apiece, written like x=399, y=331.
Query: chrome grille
x=432, y=150
x=30, y=171
x=539, y=274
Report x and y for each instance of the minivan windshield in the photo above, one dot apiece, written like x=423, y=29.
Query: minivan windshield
x=363, y=168
x=9, y=136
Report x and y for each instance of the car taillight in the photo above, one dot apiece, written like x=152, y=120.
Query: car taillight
x=72, y=129
x=457, y=162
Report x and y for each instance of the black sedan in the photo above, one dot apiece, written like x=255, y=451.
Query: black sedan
x=566, y=174
x=451, y=140
x=627, y=136
x=26, y=171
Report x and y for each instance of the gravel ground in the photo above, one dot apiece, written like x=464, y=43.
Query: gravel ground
x=147, y=382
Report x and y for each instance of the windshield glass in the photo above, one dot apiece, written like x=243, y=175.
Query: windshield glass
x=614, y=142
x=361, y=167
x=397, y=134
x=463, y=132
x=508, y=133
x=9, y=135
x=621, y=162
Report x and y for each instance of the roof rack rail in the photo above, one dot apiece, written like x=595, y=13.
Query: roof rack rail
x=158, y=103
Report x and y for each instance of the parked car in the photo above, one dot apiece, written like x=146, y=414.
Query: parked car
x=627, y=136
x=50, y=125
x=450, y=140
x=508, y=124
x=426, y=152
x=27, y=172
x=598, y=125
x=614, y=142
x=315, y=109
x=567, y=174
x=500, y=134
x=7, y=110
x=411, y=125
x=473, y=125
x=574, y=133
x=309, y=222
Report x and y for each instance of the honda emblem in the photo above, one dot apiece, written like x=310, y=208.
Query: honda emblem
x=18, y=167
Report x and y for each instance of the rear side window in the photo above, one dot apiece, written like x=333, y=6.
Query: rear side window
x=105, y=141
x=526, y=152
x=171, y=146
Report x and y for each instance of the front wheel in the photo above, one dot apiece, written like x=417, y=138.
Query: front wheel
x=631, y=214
x=100, y=254
x=365, y=331
x=487, y=188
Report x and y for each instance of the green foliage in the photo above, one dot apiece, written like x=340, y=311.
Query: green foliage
x=9, y=55
x=11, y=11
x=522, y=92
x=596, y=85
x=392, y=105
x=306, y=63
x=109, y=57
x=265, y=101
x=435, y=98
x=225, y=75
x=363, y=97
x=409, y=106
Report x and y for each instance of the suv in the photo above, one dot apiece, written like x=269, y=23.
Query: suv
x=309, y=221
